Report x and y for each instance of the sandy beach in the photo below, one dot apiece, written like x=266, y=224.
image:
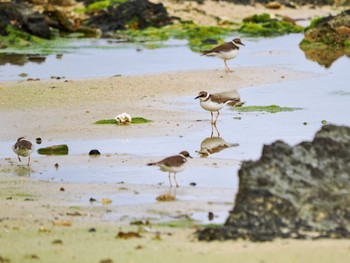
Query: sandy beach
x=50, y=221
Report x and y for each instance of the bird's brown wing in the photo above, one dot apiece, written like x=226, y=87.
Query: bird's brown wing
x=221, y=48
x=23, y=145
x=224, y=100
x=173, y=161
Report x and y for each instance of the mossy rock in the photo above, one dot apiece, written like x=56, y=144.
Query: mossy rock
x=264, y=25
x=331, y=30
x=270, y=109
x=134, y=120
x=61, y=149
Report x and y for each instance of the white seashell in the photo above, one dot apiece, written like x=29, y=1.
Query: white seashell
x=123, y=118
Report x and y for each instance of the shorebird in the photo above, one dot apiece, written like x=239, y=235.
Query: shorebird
x=173, y=164
x=225, y=51
x=215, y=102
x=23, y=148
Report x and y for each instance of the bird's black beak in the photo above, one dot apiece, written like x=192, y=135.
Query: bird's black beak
x=196, y=97
x=242, y=44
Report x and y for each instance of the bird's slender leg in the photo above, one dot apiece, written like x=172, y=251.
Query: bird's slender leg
x=177, y=185
x=211, y=113
x=28, y=160
x=170, y=179
x=19, y=159
x=217, y=116
x=227, y=69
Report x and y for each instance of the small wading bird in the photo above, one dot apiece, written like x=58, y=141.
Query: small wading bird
x=225, y=51
x=215, y=102
x=23, y=148
x=173, y=164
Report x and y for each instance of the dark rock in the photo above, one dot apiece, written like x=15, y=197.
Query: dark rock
x=293, y=192
x=58, y=19
x=137, y=14
x=21, y=17
x=328, y=39
x=94, y=152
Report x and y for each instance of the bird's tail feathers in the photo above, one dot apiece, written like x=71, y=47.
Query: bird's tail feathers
x=236, y=103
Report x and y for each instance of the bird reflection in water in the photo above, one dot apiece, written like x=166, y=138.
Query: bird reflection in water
x=22, y=170
x=170, y=195
x=214, y=144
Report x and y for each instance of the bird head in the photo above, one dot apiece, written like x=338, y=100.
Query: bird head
x=202, y=95
x=185, y=154
x=237, y=41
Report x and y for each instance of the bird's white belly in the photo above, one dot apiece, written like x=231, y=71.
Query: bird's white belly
x=172, y=169
x=22, y=152
x=228, y=55
x=211, y=106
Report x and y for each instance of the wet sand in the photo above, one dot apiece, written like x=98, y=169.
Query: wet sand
x=51, y=220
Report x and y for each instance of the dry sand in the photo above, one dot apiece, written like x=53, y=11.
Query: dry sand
x=219, y=12
x=44, y=221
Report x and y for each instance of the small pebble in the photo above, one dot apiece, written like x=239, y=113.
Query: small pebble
x=94, y=152
x=210, y=216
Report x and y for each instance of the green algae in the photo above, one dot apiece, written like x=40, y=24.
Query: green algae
x=183, y=223
x=134, y=120
x=269, y=109
x=54, y=150
x=198, y=37
x=100, y=5
x=264, y=25
x=21, y=42
x=16, y=38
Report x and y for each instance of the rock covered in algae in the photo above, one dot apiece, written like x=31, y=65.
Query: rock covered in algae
x=293, y=192
x=330, y=30
x=61, y=149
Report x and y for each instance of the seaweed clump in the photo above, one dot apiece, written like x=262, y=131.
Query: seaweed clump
x=265, y=25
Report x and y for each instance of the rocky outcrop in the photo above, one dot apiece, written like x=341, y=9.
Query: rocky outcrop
x=331, y=30
x=327, y=39
x=133, y=14
x=293, y=192
x=23, y=18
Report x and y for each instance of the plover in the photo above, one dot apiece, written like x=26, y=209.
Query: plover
x=225, y=51
x=23, y=148
x=215, y=102
x=173, y=164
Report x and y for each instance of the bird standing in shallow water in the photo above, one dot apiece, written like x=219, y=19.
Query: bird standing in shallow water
x=214, y=102
x=173, y=164
x=225, y=51
x=23, y=148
